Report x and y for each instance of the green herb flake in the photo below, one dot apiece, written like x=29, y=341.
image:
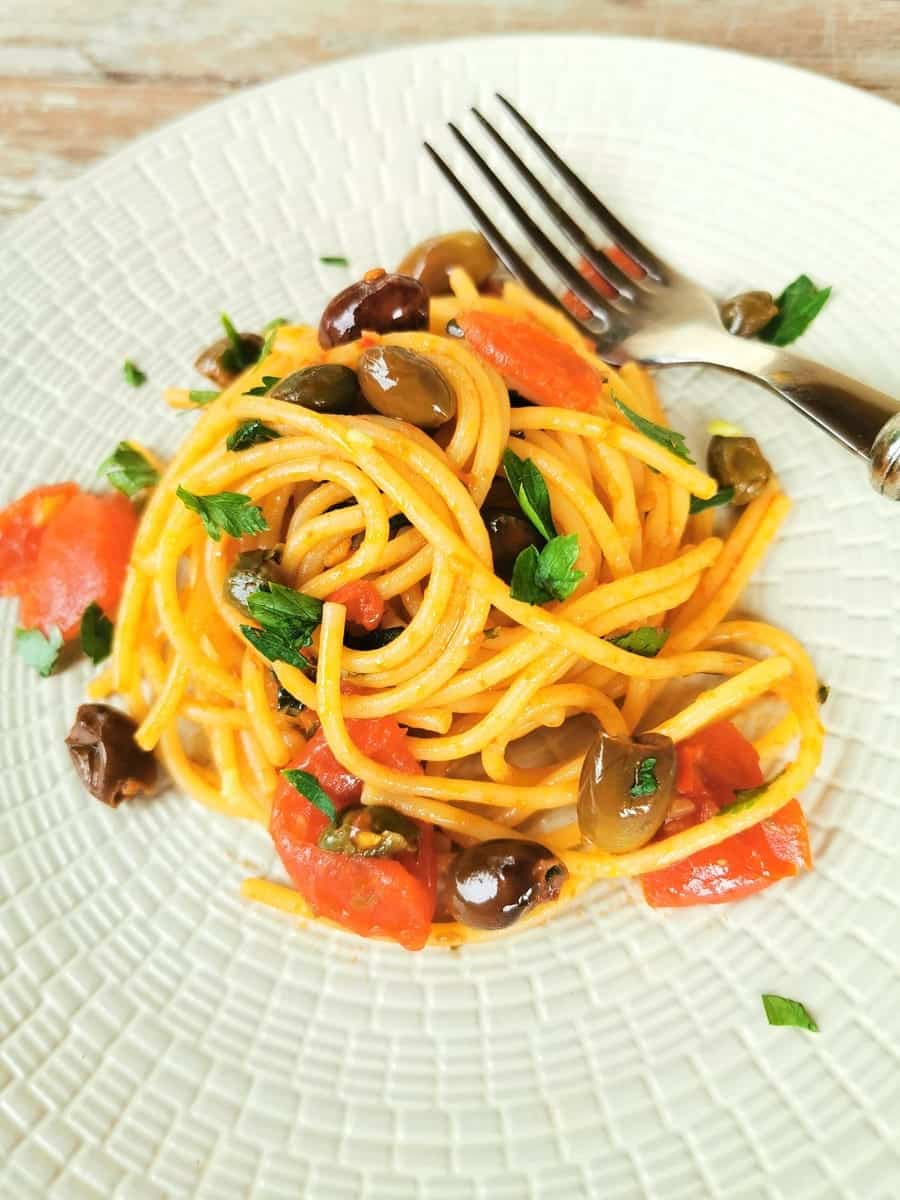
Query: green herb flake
x=274, y=324
x=200, y=396
x=721, y=497
x=127, y=470
x=667, y=438
x=309, y=787
x=645, y=781
x=530, y=489
x=275, y=646
x=38, y=651
x=548, y=575
x=261, y=389
x=240, y=352
x=334, y=260
x=288, y=619
x=798, y=306
x=250, y=433
x=823, y=691
x=229, y=512
x=96, y=632
x=133, y=374
x=747, y=797
x=781, y=1011
x=646, y=640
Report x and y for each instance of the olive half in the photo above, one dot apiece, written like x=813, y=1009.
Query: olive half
x=431, y=261
x=324, y=388
x=252, y=571
x=379, y=302
x=749, y=313
x=400, y=383
x=738, y=462
x=625, y=790
x=492, y=884
x=109, y=762
x=219, y=362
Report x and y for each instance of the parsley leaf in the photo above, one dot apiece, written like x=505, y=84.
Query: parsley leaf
x=248, y=433
x=134, y=376
x=781, y=1011
x=531, y=492
x=282, y=608
x=722, y=496
x=334, y=260
x=798, y=306
x=127, y=470
x=96, y=633
x=275, y=323
x=548, y=575
x=275, y=646
x=646, y=640
x=200, y=396
x=645, y=781
x=38, y=651
x=268, y=382
x=309, y=787
x=745, y=797
x=668, y=438
x=232, y=512
x=241, y=353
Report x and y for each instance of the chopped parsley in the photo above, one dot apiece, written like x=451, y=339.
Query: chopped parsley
x=309, y=787
x=96, y=633
x=228, y=512
x=288, y=619
x=781, y=1011
x=798, y=306
x=645, y=781
x=334, y=260
x=201, y=396
x=669, y=439
x=549, y=574
x=722, y=496
x=275, y=323
x=531, y=492
x=134, y=376
x=646, y=640
x=127, y=470
x=261, y=389
x=240, y=352
x=746, y=797
x=249, y=433
x=38, y=651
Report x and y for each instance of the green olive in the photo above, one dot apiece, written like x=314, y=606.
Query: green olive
x=377, y=831
x=399, y=383
x=431, y=260
x=492, y=884
x=625, y=790
x=738, y=462
x=324, y=388
x=510, y=534
x=252, y=571
x=748, y=313
x=218, y=363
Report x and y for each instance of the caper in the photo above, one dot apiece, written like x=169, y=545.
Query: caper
x=738, y=462
x=625, y=790
x=251, y=572
x=510, y=533
x=378, y=302
x=219, y=362
x=400, y=383
x=748, y=313
x=492, y=884
x=109, y=762
x=377, y=831
x=431, y=261
x=324, y=388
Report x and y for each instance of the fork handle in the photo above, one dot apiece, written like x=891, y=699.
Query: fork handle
x=861, y=418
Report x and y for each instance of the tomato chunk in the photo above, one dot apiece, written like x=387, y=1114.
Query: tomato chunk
x=385, y=897
x=22, y=526
x=532, y=361
x=82, y=558
x=363, y=601
x=711, y=766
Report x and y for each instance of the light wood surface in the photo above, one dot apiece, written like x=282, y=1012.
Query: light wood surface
x=79, y=78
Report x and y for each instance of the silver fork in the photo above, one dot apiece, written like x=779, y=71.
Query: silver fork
x=666, y=319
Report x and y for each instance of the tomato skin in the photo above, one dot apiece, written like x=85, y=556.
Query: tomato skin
x=532, y=361
x=363, y=601
x=82, y=558
x=711, y=766
x=22, y=526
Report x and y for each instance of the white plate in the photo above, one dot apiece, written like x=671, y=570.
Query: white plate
x=161, y=1038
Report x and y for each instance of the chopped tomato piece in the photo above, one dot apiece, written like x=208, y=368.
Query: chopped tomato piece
x=22, y=526
x=384, y=897
x=712, y=765
x=82, y=558
x=532, y=361
x=363, y=601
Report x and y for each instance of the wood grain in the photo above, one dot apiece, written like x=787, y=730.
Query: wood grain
x=79, y=78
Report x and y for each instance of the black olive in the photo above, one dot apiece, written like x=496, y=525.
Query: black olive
x=110, y=763
x=378, y=302
x=749, y=313
x=400, y=383
x=324, y=388
x=510, y=533
x=219, y=362
x=431, y=260
x=625, y=790
x=492, y=884
x=252, y=571
x=373, y=639
x=738, y=462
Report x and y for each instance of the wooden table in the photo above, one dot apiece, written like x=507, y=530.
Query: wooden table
x=78, y=78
